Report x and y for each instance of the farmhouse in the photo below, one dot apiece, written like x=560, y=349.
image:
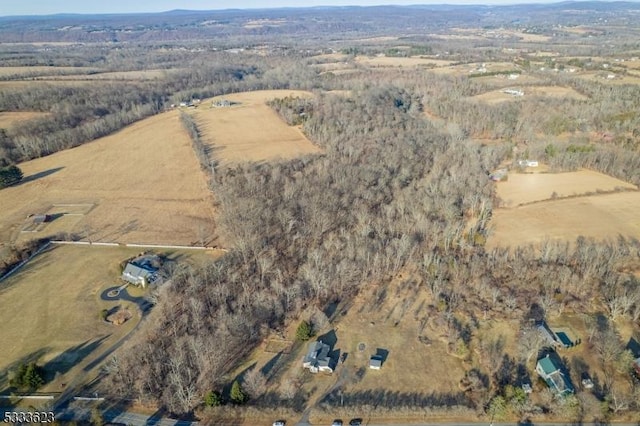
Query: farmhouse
x=141, y=271
x=552, y=374
x=317, y=358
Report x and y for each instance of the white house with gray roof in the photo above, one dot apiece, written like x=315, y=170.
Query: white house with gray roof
x=317, y=358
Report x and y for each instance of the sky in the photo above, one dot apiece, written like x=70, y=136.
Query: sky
x=45, y=7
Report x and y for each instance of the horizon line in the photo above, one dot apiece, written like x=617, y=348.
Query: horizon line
x=461, y=3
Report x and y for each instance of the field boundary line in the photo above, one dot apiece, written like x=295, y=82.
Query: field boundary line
x=134, y=245
x=617, y=190
x=24, y=262
x=27, y=396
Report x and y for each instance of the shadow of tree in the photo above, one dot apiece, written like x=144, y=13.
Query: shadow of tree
x=329, y=338
x=72, y=356
x=40, y=175
x=266, y=369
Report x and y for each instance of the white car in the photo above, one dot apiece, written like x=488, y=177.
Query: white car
x=337, y=423
x=278, y=423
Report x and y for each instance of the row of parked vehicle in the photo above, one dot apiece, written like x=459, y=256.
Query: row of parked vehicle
x=336, y=422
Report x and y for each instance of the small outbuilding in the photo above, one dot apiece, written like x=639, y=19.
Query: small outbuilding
x=375, y=363
x=41, y=218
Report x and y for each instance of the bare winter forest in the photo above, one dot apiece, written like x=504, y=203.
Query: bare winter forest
x=394, y=231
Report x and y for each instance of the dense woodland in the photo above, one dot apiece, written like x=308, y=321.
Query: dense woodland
x=394, y=191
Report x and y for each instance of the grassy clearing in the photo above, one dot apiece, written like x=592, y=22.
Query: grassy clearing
x=39, y=70
x=50, y=309
x=498, y=96
x=115, y=75
x=9, y=119
x=388, y=61
x=250, y=130
x=144, y=180
x=523, y=188
x=600, y=216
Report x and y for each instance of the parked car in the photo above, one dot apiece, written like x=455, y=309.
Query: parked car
x=279, y=423
x=355, y=422
x=337, y=422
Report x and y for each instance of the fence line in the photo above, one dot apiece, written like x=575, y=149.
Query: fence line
x=135, y=245
x=24, y=262
x=27, y=396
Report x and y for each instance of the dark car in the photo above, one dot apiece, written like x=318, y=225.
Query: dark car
x=355, y=422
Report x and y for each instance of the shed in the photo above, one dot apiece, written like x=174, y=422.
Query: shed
x=375, y=363
x=41, y=218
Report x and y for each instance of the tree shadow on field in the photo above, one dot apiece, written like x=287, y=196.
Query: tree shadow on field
x=71, y=357
x=39, y=175
x=266, y=369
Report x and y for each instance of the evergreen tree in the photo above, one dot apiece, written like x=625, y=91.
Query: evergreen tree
x=237, y=394
x=10, y=175
x=304, y=331
x=212, y=399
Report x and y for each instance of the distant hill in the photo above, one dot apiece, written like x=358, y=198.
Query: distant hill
x=183, y=24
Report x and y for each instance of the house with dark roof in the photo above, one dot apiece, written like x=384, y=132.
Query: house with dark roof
x=552, y=373
x=317, y=358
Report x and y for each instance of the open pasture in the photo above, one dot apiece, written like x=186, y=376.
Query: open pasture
x=9, y=119
x=525, y=188
x=26, y=71
x=145, y=183
x=112, y=75
x=51, y=309
x=553, y=92
x=249, y=130
x=400, y=62
x=601, y=217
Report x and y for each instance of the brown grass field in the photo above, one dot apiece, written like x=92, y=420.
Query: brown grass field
x=497, y=96
x=391, y=325
x=619, y=78
x=40, y=70
x=50, y=309
x=8, y=119
x=114, y=75
x=144, y=180
x=600, y=217
x=251, y=130
x=524, y=188
x=386, y=61
x=21, y=84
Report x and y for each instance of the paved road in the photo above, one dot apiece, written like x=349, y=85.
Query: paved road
x=122, y=417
